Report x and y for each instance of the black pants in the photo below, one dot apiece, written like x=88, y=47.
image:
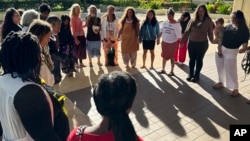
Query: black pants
x=196, y=51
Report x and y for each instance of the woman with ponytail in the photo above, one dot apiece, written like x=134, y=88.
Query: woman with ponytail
x=113, y=94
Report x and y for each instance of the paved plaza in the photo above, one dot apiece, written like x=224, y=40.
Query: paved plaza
x=166, y=108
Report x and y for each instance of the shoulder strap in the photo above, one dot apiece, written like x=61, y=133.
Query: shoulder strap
x=80, y=131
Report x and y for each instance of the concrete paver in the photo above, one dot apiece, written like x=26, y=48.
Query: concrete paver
x=168, y=108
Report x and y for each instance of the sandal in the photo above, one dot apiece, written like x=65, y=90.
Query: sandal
x=235, y=93
x=151, y=68
x=171, y=74
x=218, y=85
x=162, y=72
x=143, y=67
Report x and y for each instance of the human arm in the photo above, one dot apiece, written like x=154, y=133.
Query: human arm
x=243, y=48
x=158, y=33
x=73, y=31
x=34, y=110
x=187, y=31
x=210, y=31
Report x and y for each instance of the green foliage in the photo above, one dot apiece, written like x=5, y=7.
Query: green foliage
x=219, y=7
x=224, y=9
x=156, y=4
x=122, y=3
x=211, y=8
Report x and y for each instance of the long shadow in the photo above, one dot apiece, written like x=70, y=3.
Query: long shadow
x=171, y=102
x=235, y=106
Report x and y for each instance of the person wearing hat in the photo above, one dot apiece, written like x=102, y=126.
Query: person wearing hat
x=170, y=33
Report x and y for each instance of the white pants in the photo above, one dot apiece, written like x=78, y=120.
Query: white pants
x=227, y=67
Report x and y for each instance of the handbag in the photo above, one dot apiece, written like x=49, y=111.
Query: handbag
x=80, y=131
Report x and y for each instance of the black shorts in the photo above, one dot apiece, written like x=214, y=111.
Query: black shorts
x=148, y=44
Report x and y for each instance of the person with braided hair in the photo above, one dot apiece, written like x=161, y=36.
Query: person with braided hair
x=113, y=95
x=26, y=109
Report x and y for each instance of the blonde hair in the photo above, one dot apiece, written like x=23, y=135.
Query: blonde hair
x=72, y=12
x=92, y=6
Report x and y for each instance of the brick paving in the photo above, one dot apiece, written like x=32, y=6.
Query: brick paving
x=166, y=108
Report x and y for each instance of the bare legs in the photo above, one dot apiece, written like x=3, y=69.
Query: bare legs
x=144, y=56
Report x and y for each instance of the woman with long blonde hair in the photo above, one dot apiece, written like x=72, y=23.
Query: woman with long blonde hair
x=76, y=26
x=129, y=39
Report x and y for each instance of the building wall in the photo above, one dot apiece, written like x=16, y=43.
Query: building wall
x=243, y=5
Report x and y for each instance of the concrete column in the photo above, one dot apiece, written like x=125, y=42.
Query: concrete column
x=243, y=5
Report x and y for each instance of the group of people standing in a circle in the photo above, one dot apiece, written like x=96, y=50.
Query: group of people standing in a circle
x=28, y=56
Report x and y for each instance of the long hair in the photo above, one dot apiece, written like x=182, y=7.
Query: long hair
x=21, y=57
x=240, y=19
x=125, y=16
x=196, y=15
x=64, y=18
x=153, y=21
x=8, y=21
x=72, y=12
x=114, y=94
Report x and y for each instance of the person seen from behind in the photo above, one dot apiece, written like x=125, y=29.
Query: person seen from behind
x=27, y=115
x=113, y=95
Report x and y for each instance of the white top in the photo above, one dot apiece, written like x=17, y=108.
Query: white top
x=109, y=27
x=10, y=120
x=171, y=32
x=46, y=74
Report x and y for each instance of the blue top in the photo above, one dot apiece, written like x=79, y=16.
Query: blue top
x=149, y=32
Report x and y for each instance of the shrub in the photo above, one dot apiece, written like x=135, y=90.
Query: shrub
x=157, y=4
x=211, y=8
x=224, y=9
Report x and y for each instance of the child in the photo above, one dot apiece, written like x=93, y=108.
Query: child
x=66, y=46
x=55, y=23
x=218, y=32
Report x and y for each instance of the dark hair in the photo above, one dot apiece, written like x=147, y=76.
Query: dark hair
x=240, y=19
x=39, y=28
x=114, y=94
x=21, y=57
x=64, y=18
x=44, y=7
x=220, y=21
x=8, y=21
x=53, y=19
x=170, y=11
x=206, y=15
x=153, y=21
x=184, y=23
x=125, y=15
x=20, y=11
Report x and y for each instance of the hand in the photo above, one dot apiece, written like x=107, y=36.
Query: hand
x=242, y=50
x=77, y=42
x=158, y=41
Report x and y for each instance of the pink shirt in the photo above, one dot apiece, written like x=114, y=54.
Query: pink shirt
x=76, y=26
x=93, y=137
